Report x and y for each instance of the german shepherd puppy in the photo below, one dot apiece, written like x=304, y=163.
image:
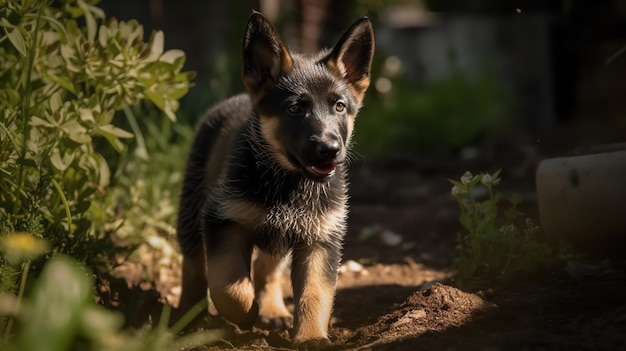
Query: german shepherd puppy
x=267, y=169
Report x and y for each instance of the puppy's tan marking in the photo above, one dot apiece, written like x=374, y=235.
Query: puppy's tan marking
x=269, y=129
x=315, y=302
x=244, y=211
x=331, y=221
x=351, y=120
x=268, y=279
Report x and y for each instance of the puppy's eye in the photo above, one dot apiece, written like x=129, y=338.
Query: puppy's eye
x=295, y=108
x=340, y=106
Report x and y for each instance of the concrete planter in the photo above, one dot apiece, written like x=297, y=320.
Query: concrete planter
x=582, y=199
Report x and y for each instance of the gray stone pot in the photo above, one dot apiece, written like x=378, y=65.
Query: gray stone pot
x=582, y=200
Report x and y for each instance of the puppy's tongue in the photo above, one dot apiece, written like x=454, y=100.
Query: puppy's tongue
x=324, y=169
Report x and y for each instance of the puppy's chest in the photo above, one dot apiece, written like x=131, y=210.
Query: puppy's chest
x=278, y=226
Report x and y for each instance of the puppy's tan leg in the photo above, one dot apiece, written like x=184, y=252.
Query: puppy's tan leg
x=314, y=275
x=229, y=251
x=268, y=285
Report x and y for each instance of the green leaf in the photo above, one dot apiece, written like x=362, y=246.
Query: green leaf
x=105, y=117
x=112, y=135
x=512, y=213
x=156, y=98
x=171, y=56
x=466, y=221
x=457, y=183
x=86, y=115
x=156, y=46
x=496, y=174
x=104, y=173
x=89, y=20
x=82, y=206
x=59, y=28
x=64, y=82
x=12, y=96
x=515, y=199
x=76, y=132
x=475, y=180
x=59, y=297
x=170, y=108
x=114, y=131
x=103, y=36
x=16, y=38
x=48, y=38
x=36, y=121
x=177, y=91
x=185, y=77
x=59, y=162
x=55, y=102
x=488, y=207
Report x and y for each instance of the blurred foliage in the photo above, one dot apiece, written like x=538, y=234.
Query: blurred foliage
x=146, y=186
x=60, y=314
x=493, y=242
x=73, y=152
x=443, y=114
x=61, y=86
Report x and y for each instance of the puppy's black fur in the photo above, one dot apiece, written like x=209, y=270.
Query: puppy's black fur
x=267, y=169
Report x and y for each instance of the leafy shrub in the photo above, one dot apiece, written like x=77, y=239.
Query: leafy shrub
x=61, y=86
x=145, y=193
x=60, y=312
x=70, y=98
x=493, y=245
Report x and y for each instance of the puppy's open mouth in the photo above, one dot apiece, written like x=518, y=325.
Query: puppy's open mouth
x=324, y=170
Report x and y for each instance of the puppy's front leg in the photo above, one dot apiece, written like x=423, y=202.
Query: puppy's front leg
x=314, y=276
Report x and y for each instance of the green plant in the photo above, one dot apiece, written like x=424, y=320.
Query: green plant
x=69, y=95
x=60, y=312
x=493, y=242
x=61, y=86
x=19, y=250
x=443, y=114
x=145, y=192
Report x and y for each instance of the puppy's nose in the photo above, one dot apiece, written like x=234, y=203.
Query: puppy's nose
x=327, y=149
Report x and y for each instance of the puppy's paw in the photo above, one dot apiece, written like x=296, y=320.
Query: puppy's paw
x=313, y=344
x=274, y=322
x=273, y=314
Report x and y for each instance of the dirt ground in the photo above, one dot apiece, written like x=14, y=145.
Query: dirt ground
x=396, y=290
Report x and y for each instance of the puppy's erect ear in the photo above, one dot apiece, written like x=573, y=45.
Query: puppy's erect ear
x=265, y=57
x=352, y=55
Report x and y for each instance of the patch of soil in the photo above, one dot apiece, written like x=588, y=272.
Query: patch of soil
x=396, y=289
x=434, y=309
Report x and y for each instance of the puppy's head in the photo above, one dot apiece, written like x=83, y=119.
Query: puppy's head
x=306, y=104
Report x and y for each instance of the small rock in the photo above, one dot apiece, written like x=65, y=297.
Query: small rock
x=176, y=290
x=580, y=271
x=351, y=266
x=409, y=317
x=390, y=238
